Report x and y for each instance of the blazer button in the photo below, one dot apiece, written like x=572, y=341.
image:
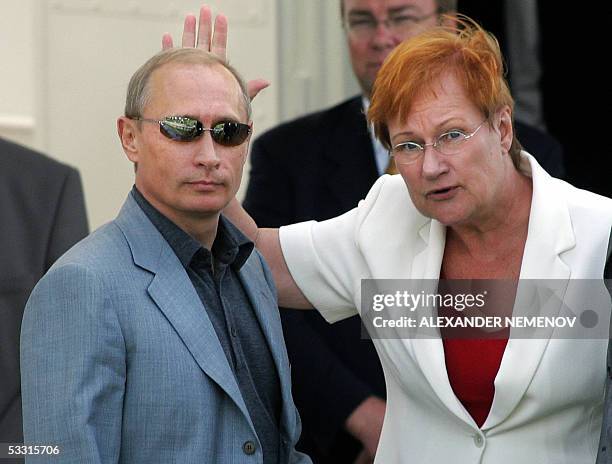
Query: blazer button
x=249, y=447
x=478, y=440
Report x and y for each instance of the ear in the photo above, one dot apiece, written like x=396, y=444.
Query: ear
x=506, y=132
x=128, y=134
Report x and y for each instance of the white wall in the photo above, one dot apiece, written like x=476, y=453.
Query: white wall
x=314, y=66
x=18, y=80
x=66, y=65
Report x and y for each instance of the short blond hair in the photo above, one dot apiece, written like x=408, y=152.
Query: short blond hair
x=138, y=93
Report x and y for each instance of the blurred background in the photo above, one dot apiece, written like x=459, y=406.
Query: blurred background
x=66, y=65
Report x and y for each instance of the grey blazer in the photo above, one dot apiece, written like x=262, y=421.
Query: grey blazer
x=42, y=214
x=120, y=362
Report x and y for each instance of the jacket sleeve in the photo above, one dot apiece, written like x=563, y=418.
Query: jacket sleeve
x=73, y=368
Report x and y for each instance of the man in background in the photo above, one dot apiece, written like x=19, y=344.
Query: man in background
x=42, y=212
x=317, y=167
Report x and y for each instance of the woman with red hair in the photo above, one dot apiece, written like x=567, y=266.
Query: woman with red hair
x=468, y=204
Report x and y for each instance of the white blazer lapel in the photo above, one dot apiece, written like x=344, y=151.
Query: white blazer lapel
x=428, y=351
x=542, y=259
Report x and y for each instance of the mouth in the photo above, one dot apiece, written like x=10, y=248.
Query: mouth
x=206, y=182
x=444, y=193
x=205, y=185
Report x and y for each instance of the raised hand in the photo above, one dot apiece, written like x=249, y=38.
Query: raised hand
x=209, y=38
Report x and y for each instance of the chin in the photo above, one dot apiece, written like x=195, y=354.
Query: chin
x=206, y=208
x=447, y=216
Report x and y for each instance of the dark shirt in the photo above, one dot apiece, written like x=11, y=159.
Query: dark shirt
x=215, y=278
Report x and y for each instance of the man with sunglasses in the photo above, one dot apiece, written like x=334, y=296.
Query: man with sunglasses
x=157, y=338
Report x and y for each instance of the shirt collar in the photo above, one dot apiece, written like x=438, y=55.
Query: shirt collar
x=381, y=155
x=230, y=241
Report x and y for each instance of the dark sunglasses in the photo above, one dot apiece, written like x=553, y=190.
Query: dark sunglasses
x=186, y=129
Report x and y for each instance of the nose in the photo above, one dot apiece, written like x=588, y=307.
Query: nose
x=434, y=164
x=206, y=152
x=384, y=38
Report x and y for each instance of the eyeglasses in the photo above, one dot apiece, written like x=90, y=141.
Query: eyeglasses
x=186, y=129
x=365, y=26
x=448, y=143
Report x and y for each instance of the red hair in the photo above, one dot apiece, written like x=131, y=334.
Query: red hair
x=415, y=66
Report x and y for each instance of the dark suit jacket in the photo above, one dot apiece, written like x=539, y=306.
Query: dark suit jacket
x=43, y=214
x=317, y=167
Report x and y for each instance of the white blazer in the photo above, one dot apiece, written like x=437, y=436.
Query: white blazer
x=548, y=392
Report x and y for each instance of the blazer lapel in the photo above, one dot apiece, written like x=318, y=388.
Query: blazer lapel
x=174, y=294
x=429, y=351
x=420, y=263
x=266, y=310
x=542, y=259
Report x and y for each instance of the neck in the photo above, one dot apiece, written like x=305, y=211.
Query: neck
x=201, y=226
x=204, y=230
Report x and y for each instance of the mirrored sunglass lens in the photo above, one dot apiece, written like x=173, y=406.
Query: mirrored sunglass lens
x=180, y=128
x=230, y=133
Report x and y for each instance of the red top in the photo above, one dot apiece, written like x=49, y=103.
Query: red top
x=472, y=365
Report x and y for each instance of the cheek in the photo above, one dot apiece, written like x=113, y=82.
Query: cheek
x=411, y=173
x=480, y=185
x=412, y=181
x=358, y=53
x=235, y=167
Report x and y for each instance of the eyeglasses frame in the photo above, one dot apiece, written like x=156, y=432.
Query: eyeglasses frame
x=434, y=145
